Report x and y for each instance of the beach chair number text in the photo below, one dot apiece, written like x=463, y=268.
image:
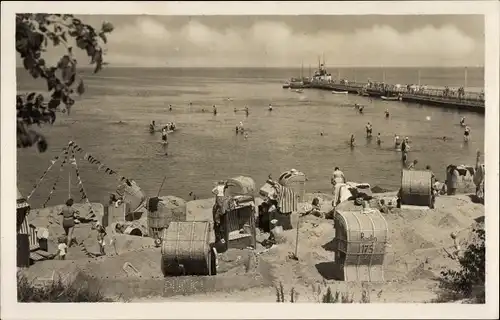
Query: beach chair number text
x=367, y=248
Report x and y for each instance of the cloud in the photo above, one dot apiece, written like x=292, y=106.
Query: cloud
x=147, y=41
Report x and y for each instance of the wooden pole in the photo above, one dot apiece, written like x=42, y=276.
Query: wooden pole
x=465, y=78
x=297, y=238
x=159, y=190
x=69, y=185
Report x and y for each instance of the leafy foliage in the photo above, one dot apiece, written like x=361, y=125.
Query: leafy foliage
x=78, y=290
x=468, y=281
x=34, y=34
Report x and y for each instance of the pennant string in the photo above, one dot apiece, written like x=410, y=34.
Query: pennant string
x=61, y=167
x=81, y=188
x=92, y=160
x=42, y=177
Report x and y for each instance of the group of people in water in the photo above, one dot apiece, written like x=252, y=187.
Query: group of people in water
x=399, y=144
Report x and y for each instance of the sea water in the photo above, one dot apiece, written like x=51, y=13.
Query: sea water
x=206, y=148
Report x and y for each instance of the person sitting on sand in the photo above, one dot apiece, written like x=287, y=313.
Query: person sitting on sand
x=379, y=140
x=353, y=140
x=369, y=130
x=62, y=248
x=413, y=165
x=315, y=210
x=69, y=213
x=467, y=134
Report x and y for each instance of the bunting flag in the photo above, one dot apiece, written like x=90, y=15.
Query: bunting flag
x=66, y=152
x=92, y=160
x=42, y=177
x=81, y=188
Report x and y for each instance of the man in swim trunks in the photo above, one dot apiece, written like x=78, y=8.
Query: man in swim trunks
x=467, y=133
x=462, y=121
x=396, y=141
x=215, y=110
x=164, y=135
x=368, y=130
x=270, y=107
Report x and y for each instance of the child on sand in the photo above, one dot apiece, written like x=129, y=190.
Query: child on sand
x=101, y=233
x=62, y=248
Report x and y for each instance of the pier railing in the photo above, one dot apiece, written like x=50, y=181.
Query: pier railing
x=440, y=93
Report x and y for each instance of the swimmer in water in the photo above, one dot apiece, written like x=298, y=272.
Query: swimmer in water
x=270, y=107
x=235, y=110
x=203, y=110
x=467, y=134
x=246, y=135
x=361, y=109
x=353, y=140
x=321, y=133
x=379, y=141
x=386, y=113
x=170, y=108
x=247, y=112
x=369, y=130
x=356, y=106
x=164, y=138
x=444, y=138
x=215, y=110
x=462, y=121
x=396, y=141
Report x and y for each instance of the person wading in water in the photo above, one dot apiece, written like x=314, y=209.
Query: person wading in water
x=353, y=140
x=69, y=214
x=164, y=139
x=369, y=130
x=215, y=110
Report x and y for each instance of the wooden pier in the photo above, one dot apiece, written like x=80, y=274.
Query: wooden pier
x=469, y=101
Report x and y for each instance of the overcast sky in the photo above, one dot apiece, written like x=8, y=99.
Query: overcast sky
x=284, y=41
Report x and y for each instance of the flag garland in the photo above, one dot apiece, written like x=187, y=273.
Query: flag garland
x=92, y=160
x=80, y=182
x=66, y=152
x=42, y=177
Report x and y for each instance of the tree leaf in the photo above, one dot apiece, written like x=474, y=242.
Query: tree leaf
x=102, y=35
x=81, y=43
x=56, y=41
x=54, y=103
x=81, y=87
x=71, y=79
x=107, y=27
x=29, y=63
x=30, y=96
